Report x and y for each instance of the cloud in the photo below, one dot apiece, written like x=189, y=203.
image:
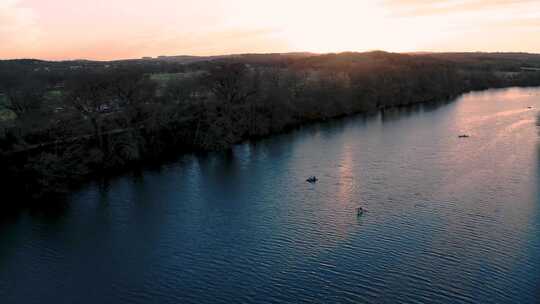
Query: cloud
x=18, y=29
x=465, y=16
x=438, y=7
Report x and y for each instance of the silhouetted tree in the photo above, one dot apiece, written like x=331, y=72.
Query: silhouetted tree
x=90, y=96
x=24, y=94
x=230, y=83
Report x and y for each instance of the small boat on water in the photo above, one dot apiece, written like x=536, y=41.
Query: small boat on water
x=312, y=179
x=360, y=211
x=464, y=136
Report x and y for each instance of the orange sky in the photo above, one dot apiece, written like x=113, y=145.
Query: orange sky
x=114, y=29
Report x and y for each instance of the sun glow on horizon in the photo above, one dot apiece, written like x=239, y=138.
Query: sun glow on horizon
x=71, y=29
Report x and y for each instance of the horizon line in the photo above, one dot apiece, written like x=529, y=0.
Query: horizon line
x=270, y=53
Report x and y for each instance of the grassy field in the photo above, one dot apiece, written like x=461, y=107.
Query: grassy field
x=54, y=94
x=53, y=99
x=163, y=78
x=166, y=77
x=5, y=114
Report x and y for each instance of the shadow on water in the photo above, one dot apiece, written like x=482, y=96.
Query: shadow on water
x=396, y=113
x=221, y=166
x=47, y=209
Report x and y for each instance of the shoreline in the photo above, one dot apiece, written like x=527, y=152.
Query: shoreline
x=70, y=136
x=170, y=157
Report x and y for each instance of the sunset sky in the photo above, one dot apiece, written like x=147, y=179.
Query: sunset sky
x=114, y=29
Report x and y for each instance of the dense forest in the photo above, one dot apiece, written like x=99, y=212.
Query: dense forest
x=64, y=122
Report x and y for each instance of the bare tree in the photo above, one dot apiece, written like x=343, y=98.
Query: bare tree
x=24, y=94
x=230, y=83
x=88, y=94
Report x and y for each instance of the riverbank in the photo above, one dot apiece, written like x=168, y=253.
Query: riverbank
x=109, y=122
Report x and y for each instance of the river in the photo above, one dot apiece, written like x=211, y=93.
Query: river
x=448, y=220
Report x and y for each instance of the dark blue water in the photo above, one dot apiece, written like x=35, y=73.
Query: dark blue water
x=449, y=220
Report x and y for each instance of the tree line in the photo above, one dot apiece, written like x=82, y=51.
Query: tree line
x=70, y=124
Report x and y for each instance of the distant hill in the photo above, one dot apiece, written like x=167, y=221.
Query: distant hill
x=504, y=62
